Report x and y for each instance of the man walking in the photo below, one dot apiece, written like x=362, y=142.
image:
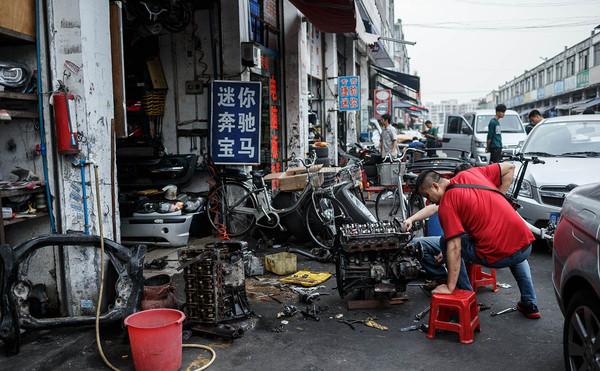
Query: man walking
x=389, y=144
x=535, y=117
x=431, y=134
x=482, y=227
x=494, y=135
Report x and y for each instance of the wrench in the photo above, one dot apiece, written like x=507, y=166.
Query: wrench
x=507, y=310
x=419, y=316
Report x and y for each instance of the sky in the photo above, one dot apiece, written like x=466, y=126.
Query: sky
x=467, y=48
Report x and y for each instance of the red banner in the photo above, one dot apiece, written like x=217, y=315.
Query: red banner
x=382, y=102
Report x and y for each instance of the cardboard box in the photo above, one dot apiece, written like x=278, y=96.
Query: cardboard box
x=302, y=169
x=18, y=16
x=292, y=182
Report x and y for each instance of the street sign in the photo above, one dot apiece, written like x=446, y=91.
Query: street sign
x=235, y=122
x=382, y=102
x=349, y=93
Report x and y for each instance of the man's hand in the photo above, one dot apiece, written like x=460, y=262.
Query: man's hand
x=439, y=258
x=442, y=289
x=407, y=224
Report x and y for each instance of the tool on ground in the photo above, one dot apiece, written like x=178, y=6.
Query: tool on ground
x=419, y=316
x=312, y=297
x=483, y=307
x=504, y=311
x=350, y=322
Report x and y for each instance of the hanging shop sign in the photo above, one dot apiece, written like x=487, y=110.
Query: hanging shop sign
x=348, y=93
x=382, y=102
x=235, y=122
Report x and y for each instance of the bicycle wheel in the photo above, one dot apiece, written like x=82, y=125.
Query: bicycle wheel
x=416, y=203
x=387, y=205
x=323, y=220
x=231, y=205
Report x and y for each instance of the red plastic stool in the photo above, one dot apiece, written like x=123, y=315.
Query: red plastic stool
x=462, y=303
x=479, y=278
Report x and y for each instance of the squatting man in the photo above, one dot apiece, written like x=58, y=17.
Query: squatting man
x=480, y=227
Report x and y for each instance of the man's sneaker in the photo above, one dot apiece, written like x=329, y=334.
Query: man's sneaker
x=529, y=310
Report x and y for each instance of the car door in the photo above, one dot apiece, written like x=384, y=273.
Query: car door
x=457, y=136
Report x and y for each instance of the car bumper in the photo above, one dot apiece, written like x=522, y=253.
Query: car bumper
x=481, y=157
x=536, y=213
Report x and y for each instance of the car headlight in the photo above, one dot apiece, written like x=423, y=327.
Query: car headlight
x=526, y=190
x=480, y=144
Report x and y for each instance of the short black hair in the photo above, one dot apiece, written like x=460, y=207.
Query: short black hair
x=501, y=108
x=426, y=178
x=428, y=122
x=415, y=138
x=462, y=167
x=534, y=113
x=387, y=117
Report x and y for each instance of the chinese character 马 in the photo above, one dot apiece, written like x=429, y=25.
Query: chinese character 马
x=226, y=97
x=246, y=147
x=226, y=147
x=246, y=98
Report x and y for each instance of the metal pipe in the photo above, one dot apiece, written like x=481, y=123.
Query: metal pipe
x=397, y=40
x=86, y=218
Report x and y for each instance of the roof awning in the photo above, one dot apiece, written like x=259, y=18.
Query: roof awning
x=584, y=106
x=399, y=93
x=568, y=106
x=410, y=81
x=333, y=16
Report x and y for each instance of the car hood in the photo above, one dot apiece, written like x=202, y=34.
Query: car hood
x=563, y=171
x=508, y=139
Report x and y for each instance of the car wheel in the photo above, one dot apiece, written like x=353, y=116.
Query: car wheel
x=581, y=335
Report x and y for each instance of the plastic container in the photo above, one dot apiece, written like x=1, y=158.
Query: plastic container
x=155, y=336
x=434, y=227
x=281, y=263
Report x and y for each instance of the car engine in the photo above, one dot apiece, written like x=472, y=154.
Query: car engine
x=376, y=259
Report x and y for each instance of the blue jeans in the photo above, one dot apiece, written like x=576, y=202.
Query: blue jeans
x=517, y=262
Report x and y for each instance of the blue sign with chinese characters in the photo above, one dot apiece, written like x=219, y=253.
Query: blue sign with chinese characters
x=348, y=93
x=235, y=122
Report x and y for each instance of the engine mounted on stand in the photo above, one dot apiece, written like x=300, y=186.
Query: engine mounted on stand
x=376, y=259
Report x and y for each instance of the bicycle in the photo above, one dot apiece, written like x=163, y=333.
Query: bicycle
x=394, y=203
x=238, y=207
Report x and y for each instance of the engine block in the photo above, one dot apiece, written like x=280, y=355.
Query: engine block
x=376, y=258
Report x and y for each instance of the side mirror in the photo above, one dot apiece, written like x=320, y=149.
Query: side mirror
x=467, y=130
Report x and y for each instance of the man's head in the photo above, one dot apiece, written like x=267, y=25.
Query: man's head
x=431, y=185
x=429, y=124
x=385, y=120
x=535, y=117
x=500, y=110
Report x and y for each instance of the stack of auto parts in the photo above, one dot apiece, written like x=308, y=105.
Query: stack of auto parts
x=376, y=258
x=215, y=283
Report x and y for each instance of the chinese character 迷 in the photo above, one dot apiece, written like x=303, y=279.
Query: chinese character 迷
x=225, y=147
x=226, y=97
x=246, y=147
x=246, y=97
x=246, y=123
x=225, y=122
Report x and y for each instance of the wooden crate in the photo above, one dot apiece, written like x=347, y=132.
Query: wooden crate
x=18, y=16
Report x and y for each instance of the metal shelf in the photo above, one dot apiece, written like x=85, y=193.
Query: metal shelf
x=20, y=192
x=20, y=114
x=17, y=96
x=10, y=37
x=19, y=220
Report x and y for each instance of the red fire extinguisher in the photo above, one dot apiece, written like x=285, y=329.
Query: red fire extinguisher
x=66, y=135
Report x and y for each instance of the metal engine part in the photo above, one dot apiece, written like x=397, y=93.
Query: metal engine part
x=20, y=302
x=215, y=282
x=376, y=258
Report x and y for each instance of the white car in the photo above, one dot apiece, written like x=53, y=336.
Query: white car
x=570, y=147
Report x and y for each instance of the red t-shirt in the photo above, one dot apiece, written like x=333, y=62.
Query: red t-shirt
x=495, y=227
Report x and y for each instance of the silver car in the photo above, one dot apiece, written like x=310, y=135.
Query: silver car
x=576, y=277
x=570, y=147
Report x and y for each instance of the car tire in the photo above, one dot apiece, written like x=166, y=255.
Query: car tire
x=583, y=309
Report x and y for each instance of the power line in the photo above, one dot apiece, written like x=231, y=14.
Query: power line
x=500, y=23
x=529, y=4
x=505, y=28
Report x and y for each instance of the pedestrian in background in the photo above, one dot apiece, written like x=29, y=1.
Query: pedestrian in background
x=431, y=134
x=535, y=117
x=389, y=143
x=494, y=135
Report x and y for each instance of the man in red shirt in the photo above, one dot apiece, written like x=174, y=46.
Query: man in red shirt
x=482, y=227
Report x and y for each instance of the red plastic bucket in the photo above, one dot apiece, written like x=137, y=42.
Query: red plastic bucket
x=155, y=339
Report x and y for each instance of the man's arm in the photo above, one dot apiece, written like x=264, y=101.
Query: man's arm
x=453, y=265
x=422, y=214
x=490, y=134
x=507, y=171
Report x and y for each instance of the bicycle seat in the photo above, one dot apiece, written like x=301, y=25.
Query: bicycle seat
x=237, y=174
x=258, y=173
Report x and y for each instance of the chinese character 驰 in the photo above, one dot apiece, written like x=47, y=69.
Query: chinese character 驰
x=226, y=97
x=225, y=147
x=246, y=147
x=246, y=123
x=226, y=121
x=246, y=97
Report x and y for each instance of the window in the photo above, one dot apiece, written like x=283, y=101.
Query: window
x=549, y=75
x=454, y=125
x=597, y=54
x=584, y=57
x=533, y=82
x=559, y=70
x=508, y=124
x=541, y=79
x=571, y=66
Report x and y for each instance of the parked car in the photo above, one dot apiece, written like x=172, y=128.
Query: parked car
x=576, y=277
x=570, y=147
x=468, y=132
